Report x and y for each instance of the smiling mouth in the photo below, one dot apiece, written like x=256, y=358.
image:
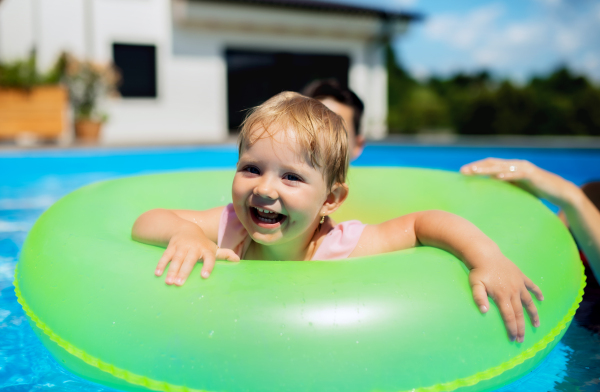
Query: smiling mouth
x=266, y=218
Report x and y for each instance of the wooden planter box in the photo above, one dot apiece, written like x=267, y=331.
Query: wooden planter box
x=41, y=112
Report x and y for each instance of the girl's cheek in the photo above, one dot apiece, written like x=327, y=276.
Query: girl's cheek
x=237, y=191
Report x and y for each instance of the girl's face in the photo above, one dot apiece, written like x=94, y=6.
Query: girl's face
x=277, y=194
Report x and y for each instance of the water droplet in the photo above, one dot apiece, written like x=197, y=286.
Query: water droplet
x=210, y=335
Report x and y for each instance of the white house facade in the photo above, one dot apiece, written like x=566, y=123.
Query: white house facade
x=180, y=55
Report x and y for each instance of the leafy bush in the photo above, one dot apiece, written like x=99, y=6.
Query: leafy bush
x=23, y=74
x=87, y=83
x=560, y=103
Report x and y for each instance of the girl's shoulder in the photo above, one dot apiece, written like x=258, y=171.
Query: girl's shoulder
x=340, y=239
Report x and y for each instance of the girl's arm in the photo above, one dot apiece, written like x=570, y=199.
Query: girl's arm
x=491, y=273
x=188, y=235
x=582, y=215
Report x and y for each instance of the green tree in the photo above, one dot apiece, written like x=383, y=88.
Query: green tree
x=560, y=103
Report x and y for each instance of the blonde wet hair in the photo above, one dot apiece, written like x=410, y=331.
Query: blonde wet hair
x=320, y=132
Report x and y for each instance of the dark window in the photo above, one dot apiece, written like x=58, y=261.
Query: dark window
x=137, y=66
x=255, y=76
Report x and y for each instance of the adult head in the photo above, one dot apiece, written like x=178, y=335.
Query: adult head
x=345, y=103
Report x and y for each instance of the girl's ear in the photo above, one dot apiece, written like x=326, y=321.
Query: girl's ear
x=336, y=197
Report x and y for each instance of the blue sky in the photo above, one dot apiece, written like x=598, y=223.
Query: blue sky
x=514, y=39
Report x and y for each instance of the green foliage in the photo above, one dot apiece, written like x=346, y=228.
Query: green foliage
x=23, y=74
x=558, y=104
x=88, y=83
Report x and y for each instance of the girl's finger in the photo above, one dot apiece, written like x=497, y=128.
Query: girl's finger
x=208, y=263
x=186, y=267
x=529, y=305
x=174, y=266
x=519, y=318
x=480, y=297
x=164, y=260
x=227, y=254
x=508, y=315
x=534, y=289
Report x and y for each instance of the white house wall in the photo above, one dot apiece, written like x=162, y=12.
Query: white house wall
x=17, y=29
x=61, y=28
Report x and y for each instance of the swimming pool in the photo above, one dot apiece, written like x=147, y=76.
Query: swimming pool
x=30, y=181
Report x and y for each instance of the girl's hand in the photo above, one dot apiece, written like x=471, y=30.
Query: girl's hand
x=526, y=175
x=185, y=248
x=509, y=288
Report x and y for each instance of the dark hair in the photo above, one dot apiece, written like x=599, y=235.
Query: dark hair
x=592, y=191
x=331, y=88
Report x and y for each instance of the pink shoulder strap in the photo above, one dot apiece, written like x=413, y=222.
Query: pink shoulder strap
x=340, y=242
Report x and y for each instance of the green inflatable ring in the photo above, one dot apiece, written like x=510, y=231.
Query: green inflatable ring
x=394, y=322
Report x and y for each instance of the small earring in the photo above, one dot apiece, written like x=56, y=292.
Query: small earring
x=322, y=219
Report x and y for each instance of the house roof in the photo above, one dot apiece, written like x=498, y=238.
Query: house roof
x=328, y=6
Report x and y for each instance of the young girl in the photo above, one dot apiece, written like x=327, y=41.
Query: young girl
x=291, y=175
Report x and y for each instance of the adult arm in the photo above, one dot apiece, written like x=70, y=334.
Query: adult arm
x=582, y=216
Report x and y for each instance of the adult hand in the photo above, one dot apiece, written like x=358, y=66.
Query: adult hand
x=526, y=175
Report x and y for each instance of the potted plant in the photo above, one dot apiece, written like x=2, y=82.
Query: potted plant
x=87, y=83
x=34, y=105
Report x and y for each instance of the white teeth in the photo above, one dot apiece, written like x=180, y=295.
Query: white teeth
x=272, y=216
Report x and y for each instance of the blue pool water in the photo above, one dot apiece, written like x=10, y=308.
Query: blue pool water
x=30, y=181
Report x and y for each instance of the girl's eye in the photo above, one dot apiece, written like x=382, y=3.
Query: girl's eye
x=292, y=177
x=252, y=169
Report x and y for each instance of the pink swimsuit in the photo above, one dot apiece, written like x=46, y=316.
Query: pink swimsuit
x=337, y=244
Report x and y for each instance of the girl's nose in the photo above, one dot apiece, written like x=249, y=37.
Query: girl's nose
x=266, y=189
